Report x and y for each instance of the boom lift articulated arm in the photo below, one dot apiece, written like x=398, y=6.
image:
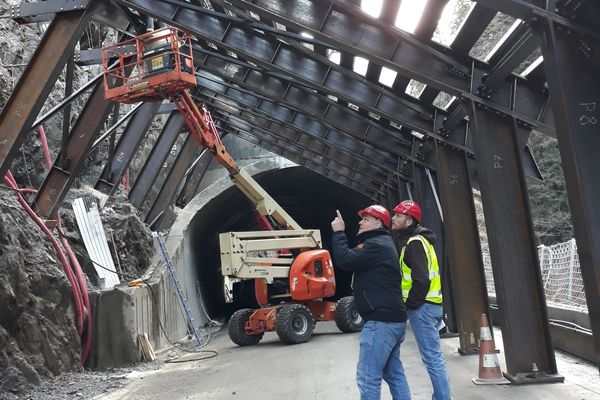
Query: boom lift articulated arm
x=201, y=125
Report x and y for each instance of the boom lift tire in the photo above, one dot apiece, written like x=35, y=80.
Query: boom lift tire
x=347, y=317
x=236, y=328
x=294, y=324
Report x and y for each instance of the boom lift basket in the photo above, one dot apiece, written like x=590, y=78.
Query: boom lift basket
x=149, y=67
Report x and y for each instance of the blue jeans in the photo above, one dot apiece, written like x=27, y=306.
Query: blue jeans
x=424, y=322
x=380, y=358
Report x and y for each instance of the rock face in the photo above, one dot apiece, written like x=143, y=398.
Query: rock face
x=38, y=336
x=129, y=239
x=128, y=235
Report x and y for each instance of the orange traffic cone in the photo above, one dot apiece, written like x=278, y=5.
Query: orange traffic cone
x=489, y=367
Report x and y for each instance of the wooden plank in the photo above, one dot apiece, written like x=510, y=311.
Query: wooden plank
x=146, y=347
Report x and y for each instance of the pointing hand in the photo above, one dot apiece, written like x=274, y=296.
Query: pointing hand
x=338, y=222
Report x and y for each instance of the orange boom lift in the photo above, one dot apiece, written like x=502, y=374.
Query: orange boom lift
x=158, y=65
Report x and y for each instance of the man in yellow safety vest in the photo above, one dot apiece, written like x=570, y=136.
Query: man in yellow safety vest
x=422, y=291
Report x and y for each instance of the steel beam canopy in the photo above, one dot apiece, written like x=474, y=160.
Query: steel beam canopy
x=327, y=170
x=304, y=66
x=308, y=127
x=337, y=20
x=310, y=136
x=337, y=161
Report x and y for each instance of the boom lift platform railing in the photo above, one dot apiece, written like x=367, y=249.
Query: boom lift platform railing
x=159, y=65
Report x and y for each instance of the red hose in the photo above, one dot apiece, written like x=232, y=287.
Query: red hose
x=125, y=180
x=80, y=284
x=45, y=150
x=10, y=181
x=32, y=191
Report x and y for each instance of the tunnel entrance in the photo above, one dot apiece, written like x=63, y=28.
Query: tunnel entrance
x=311, y=199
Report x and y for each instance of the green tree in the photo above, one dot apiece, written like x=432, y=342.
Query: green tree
x=548, y=199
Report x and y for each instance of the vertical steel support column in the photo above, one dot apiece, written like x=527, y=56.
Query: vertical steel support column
x=517, y=278
x=173, y=180
x=432, y=219
x=462, y=246
x=575, y=97
x=128, y=144
x=430, y=214
x=140, y=189
x=28, y=97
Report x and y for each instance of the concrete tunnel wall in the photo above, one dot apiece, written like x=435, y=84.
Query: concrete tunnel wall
x=124, y=312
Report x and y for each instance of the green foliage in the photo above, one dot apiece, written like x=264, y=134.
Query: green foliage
x=549, y=207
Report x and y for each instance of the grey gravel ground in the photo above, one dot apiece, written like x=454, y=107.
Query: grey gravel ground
x=89, y=384
x=80, y=385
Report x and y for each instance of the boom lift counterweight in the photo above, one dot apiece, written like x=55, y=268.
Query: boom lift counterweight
x=159, y=65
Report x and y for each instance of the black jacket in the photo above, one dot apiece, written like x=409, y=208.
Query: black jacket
x=377, y=277
x=416, y=259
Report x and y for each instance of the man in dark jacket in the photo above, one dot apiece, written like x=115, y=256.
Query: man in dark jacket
x=378, y=298
x=422, y=291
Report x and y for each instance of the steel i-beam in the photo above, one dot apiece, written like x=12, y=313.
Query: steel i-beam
x=173, y=180
x=520, y=295
x=37, y=81
x=575, y=97
x=193, y=180
x=425, y=194
x=25, y=13
x=128, y=144
x=469, y=292
x=70, y=160
x=159, y=153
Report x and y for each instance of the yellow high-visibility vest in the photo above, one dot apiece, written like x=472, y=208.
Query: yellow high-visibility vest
x=434, y=295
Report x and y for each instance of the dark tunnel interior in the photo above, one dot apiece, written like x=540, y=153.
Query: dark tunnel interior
x=311, y=199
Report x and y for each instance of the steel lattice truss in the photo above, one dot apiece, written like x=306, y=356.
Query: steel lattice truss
x=382, y=111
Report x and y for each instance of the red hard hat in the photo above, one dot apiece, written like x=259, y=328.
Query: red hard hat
x=409, y=207
x=377, y=211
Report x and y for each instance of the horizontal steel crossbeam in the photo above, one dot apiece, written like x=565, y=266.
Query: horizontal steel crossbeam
x=337, y=20
x=299, y=122
x=255, y=124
